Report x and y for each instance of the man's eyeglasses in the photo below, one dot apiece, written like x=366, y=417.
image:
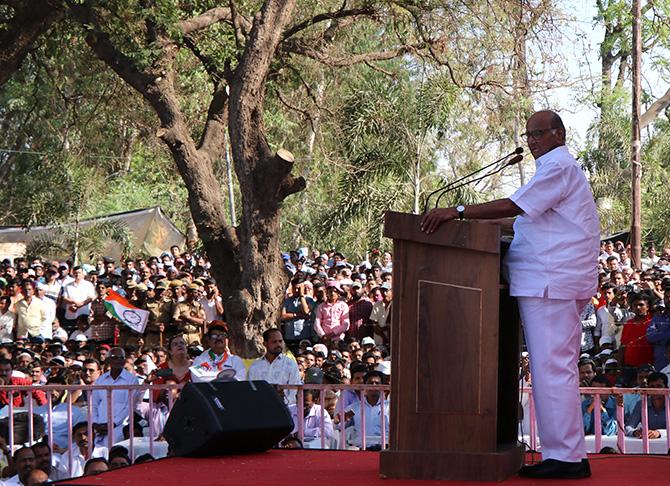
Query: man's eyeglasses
x=535, y=134
x=218, y=336
x=90, y=370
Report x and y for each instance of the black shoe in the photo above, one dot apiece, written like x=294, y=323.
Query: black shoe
x=553, y=469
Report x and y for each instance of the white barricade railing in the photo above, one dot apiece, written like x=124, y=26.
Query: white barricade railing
x=133, y=392
x=623, y=443
x=358, y=440
x=357, y=436
x=338, y=433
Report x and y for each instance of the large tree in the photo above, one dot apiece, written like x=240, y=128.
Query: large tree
x=156, y=46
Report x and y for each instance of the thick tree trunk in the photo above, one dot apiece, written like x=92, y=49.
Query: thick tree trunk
x=265, y=181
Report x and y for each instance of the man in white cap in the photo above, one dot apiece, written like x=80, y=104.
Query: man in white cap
x=367, y=343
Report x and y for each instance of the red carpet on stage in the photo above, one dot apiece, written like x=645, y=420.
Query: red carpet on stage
x=345, y=468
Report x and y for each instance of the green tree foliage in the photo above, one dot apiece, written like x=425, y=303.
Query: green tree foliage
x=608, y=148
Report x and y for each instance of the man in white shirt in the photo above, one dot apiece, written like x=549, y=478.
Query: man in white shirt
x=651, y=258
x=7, y=319
x=79, y=451
x=553, y=273
x=212, y=302
x=376, y=416
x=315, y=419
x=117, y=375
x=218, y=361
x=275, y=367
x=49, y=311
x=77, y=296
x=609, y=252
x=47, y=462
x=57, y=332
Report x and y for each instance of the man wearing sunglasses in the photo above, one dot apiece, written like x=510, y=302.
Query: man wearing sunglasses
x=552, y=267
x=217, y=362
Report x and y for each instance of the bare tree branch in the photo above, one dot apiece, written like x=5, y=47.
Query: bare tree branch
x=655, y=109
x=380, y=69
x=215, y=126
x=31, y=19
x=208, y=63
x=307, y=51
x=338, y=14
x=240, y=25
x=247, y=87
x=205, y=20
x=99, y=41
x=297, y=109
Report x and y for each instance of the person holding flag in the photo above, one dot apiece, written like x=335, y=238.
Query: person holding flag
x=118, y=307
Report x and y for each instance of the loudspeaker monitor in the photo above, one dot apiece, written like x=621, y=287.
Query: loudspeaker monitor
x=227, y=418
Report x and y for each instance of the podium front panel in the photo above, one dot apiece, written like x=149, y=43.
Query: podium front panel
x=449, y=316
x=445, y=344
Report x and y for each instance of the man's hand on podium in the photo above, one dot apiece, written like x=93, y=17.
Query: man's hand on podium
x=435, y=217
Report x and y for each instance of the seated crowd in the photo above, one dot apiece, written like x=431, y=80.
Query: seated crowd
x=335, y=323
x=626, y=340
x=56, y=330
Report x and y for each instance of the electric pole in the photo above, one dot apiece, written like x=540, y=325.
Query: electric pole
x=636, y=203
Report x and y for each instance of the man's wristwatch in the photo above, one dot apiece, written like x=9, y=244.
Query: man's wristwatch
x=461, y=211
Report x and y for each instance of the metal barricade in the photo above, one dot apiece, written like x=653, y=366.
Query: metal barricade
x=370, y=414
x=623, y=441
x=133, y=391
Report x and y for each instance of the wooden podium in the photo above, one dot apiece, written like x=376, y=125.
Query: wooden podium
x=455, y=340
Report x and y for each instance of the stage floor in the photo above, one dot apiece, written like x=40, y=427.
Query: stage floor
x=339, y=468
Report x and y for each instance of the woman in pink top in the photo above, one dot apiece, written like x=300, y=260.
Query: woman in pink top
x=332, y=317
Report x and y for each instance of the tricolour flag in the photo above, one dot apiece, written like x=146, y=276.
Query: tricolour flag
x=133, y=317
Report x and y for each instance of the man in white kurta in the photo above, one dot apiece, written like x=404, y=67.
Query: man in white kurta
x=217, y=362
x=552, y=267
x=275, y=367
x=121, y=412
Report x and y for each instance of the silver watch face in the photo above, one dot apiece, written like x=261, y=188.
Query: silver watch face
x=460, y=208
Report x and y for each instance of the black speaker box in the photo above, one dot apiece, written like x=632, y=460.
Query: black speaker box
x=230, y=417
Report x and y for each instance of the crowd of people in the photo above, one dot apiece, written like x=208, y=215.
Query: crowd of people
x=55, y=329
x=335, y=323
x=626, y=339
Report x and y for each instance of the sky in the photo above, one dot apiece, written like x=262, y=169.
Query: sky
x=581, y=46
x=582, y=38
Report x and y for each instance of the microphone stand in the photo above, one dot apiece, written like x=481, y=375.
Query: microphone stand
x=488, y=174
x=444, y=188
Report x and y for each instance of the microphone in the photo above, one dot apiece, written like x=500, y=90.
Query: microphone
x=518, y=151
x=514, y=160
